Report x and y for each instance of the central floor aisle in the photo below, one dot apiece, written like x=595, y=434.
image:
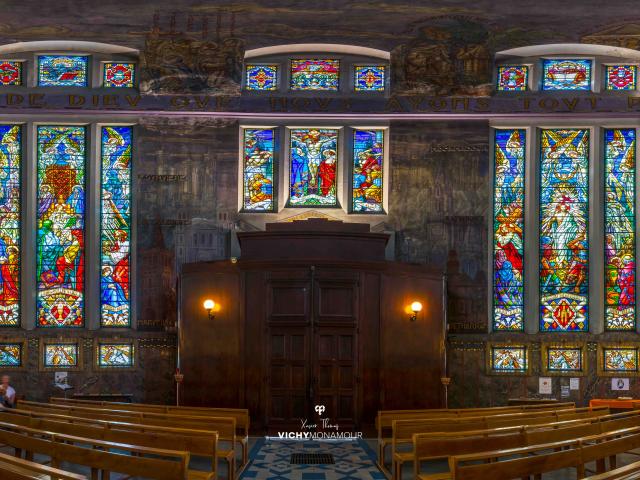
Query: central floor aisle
x=270, y=459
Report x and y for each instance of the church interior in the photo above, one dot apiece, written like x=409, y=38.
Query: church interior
x=282, y=240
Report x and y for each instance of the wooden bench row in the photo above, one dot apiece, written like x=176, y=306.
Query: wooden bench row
x=241, y=415
x=402, y=428
x=507, y=464
x=224, y=427
x=628, y=472
x=13, y=468
x=432, y=446
x=196, y=442
x=102, y=457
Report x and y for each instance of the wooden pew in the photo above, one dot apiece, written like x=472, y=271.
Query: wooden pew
x=628, y=472
x=418, y=424
x=98, y=455
x=196, y=442
x=240, y=414
x=385, y=418
x=428, y=446
x=538, y=459
x=207, y=422
x=404, y=431
x=193, y=443
x=14, y=468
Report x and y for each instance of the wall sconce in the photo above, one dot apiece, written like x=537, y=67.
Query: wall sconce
x=416, y=307
x=209, y=305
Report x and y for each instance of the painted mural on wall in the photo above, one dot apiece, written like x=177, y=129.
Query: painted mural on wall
x=448, y=56
x=187, y=186
x=188, y=56
x=439, y=202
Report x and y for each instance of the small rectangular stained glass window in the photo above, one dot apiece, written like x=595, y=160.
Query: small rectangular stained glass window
x=10, y=354
x=369, y=78
x=62, y=70
x=117, y=355
x=262, y=77
x=620, y=360
x=315, y=75
x=561, y=359
x=509, y=359
x=513, y=78
x=119, y=75
x=621, y=77
x=566, y=75
x=61, y=355
x=10, y=72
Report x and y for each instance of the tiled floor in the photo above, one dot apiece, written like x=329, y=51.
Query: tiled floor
x=270, y=461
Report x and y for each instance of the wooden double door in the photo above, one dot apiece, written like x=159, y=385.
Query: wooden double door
x=312, y=348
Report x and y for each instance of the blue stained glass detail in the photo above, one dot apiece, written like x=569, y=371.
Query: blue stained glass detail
x=566, y=75
x=258, y=167
x=262, y=77
x=62, y=71
x=115, y=291
x=368, y=157
x=369, y=78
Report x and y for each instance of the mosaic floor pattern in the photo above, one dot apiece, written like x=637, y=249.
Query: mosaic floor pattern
x=270, y=461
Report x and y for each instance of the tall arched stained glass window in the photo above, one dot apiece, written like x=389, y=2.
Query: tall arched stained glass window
x=620, y=224
x=115, y=227
x=60, y=215
x=564, y=210
x=10, y=160
x=508, y=230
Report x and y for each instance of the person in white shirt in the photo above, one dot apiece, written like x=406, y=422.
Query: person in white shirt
x=7, y=393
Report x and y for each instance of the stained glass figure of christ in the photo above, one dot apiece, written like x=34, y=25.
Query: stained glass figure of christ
x=314, y=163
x=564, y=250
x=60, y=216
x=115, y=228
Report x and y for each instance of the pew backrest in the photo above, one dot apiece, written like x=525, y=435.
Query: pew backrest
x=14, y=468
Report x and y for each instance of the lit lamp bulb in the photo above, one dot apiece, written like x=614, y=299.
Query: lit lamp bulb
x=209, y=305
x=416, y=307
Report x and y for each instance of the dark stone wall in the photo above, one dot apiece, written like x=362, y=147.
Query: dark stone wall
x=186, y=172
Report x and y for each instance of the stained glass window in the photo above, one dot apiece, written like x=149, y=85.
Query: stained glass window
x=513, y=78
x=566, y=75
x=60, y=215
x=315, y=75
x=369, y=78
x=620, y=360
x=564, y=250
x=10, y=355
x=115, y=355
x=115, y=238
x=561, y=359
x=262, y=77
x=258, y=168
x=619, y=226
x=10, y=162
x=368, y=158
x=119, y=75
x=314, y=163
x=62, y=71
x=508, y=359
x=61, y=355
x=508, y=230
x=621, y=77
x=10, y=72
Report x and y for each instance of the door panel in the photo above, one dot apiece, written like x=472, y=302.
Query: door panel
x=312, y=332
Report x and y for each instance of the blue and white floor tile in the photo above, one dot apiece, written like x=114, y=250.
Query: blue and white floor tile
x=269, y=460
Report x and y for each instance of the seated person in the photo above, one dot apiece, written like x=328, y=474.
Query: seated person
x=7, y=393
